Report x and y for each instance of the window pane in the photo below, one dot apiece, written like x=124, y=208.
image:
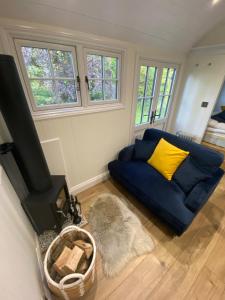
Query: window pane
x=162, y=106
x=94, y=65
x=65, y=91
x=48, y=71
x=148, y=80
x=43, y=92
x=36, y=61
x=141, y=87
x=110, y=89
x=62, y=63
x=103, y=77
x=164, y=80
x=168, y=77
x=145, y=91
x=159, y=103
x=170, y=80
x=146, y=110
x=138, y=111
x=151, y=81
x=110, y=67
x=96, y=89
x=167, y=81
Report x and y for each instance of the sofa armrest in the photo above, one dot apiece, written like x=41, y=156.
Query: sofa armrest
x=126, y=153
x=202, y=191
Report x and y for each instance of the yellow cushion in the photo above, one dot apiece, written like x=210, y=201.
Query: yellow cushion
x=166, y=158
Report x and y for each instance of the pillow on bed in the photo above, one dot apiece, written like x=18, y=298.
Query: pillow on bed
x=216, y=125
x=219, y=117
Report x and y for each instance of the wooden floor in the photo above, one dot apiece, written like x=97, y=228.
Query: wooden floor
x=188, y=267
x=218, y=149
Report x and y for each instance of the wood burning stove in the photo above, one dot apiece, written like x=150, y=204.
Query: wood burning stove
x=45, y=198
x=43, y=208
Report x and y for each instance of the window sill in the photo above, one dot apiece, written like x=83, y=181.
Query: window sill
x=66, y=112
x=141, y=127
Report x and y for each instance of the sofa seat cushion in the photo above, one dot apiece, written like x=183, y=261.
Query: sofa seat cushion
x=164, y=197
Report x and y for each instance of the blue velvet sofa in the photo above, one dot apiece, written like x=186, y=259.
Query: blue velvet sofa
x=165, y=198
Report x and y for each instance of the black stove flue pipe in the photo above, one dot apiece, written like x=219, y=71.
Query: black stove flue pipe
x=16, y=113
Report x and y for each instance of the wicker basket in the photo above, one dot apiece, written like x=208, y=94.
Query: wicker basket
x=70, y=291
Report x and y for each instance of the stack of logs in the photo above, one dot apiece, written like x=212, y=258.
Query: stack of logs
x=75, y=257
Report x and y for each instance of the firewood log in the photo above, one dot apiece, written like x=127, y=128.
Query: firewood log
x=58, y=250
x=61, y=261
x=83, y=266
x=86, y=247
x=73, y=260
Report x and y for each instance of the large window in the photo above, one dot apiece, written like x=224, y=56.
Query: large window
x=155, y=90
x=103, y=76
x=51, y=74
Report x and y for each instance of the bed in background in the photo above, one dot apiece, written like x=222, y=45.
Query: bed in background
x=215, y=132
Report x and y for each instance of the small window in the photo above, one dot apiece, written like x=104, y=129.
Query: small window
x=103, y=77
x=50, y=74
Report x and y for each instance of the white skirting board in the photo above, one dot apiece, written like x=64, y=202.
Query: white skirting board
x=89, y=183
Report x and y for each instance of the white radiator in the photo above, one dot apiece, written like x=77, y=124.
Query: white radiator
x=186, y=136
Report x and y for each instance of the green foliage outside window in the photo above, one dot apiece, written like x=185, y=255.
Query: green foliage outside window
x=51, y=75
x=103, y=77
x=146, y=90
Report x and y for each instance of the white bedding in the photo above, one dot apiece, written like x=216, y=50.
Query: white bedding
x=215, y=133
x=215, y=130
x=215, y=138
x=216, y=124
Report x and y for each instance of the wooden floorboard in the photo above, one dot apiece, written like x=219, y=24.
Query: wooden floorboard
x=191, y=266
x=218, y=149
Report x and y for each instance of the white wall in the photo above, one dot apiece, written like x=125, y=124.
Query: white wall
x=19, y=275
x=202, y=81
x=90, y=141
x=220, y=101
x=215, y=38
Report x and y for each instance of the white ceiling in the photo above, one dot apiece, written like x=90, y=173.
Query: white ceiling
x=176, y=24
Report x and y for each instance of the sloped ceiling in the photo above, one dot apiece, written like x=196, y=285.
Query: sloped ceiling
x=216, y=36
x=175, y=24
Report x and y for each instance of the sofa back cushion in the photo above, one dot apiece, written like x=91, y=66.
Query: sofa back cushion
x=126, y=153
x=143, y=149
x=208, y=160
x=189, y=174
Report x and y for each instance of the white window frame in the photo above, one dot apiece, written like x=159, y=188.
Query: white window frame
x=159, y=65
x=19, y=43
x=117, y=55
x=12, y=31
